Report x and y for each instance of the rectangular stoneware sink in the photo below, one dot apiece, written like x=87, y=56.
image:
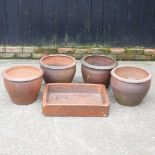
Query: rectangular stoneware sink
x=71, y=99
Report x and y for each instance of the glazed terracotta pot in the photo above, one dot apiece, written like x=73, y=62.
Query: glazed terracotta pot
x=23, y=83
x=96, y=69
x=58, y=68
x=130, y=84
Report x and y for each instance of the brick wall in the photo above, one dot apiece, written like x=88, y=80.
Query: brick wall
x=78, y=53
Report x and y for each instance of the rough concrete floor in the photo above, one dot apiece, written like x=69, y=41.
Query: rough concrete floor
x=127, y=130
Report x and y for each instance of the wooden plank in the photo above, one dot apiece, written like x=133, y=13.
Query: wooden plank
x=97, y=19
x=61, y=21
x=120, y=21
x=132, y=25
x=49, y=21
x=36, y=22
x=79, y=21
x=3, y=23
x=153, y=26
x=145, y=21
x=12, y=21
x=24, y=22
x=109, y=21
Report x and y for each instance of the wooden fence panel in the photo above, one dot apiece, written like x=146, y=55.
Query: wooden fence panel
x=37, y=21
x=64, y=22
x=12, y=21
x=97, y=21
x=145, y=21
x=78, y=20
x=120, y=21
x=132, y=25
x=49, y=21
x=109, y=21
x=60, y=21
x=3, y=22
x=24, y=22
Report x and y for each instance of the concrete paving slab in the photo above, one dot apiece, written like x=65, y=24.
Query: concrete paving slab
x=127, y=130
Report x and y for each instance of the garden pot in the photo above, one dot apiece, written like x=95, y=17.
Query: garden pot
x=96, y=69
x=58, y=68
x=23, y=83
x=130, y=84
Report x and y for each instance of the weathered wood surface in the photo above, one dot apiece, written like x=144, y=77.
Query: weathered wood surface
x=109, y=22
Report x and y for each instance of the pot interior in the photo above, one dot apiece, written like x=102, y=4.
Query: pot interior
x=58, y=61
x=22, y=72
x=131, y=73
x=97, y=60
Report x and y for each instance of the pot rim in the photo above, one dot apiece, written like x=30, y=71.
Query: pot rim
x=130, y=80
x=57, y=67
x=5, y=76
x=99, y=67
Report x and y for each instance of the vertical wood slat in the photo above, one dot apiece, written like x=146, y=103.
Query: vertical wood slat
x=120, y=20
x=97, y=20
x=109, y=20
x=145, y=21
x=153, y=24
x=3, y=22
x=24, y=22
x=78, y=18
x=72, y=18
x=36, y=21
x=60, y=21
x=12, y=21
x=48, y=21
x=132, y=25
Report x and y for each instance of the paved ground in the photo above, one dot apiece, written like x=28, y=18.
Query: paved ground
x=127, y=130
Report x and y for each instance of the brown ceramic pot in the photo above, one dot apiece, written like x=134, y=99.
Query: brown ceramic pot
x=96, y=69
x=58, y=68
x=23, y=83
x=130, y=84
x=74, y=99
